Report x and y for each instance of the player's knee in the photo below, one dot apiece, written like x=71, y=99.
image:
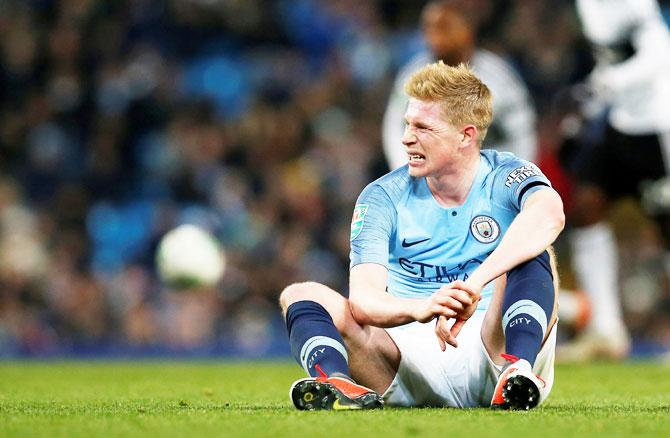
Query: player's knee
x=293, y=293
x=299, y=292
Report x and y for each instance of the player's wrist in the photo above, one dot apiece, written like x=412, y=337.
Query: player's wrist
x=419, y=310
x=417, y=313
x=476, y=284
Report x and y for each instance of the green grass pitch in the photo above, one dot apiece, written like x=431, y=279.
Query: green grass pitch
x=250, y=399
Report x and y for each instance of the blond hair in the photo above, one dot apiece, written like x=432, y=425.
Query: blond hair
x=465, y=99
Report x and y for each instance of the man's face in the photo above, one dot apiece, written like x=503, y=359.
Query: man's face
x=430, y=141
x=448, y=35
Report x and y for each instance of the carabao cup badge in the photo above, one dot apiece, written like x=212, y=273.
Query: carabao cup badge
x=357, y=220
x=485, y=229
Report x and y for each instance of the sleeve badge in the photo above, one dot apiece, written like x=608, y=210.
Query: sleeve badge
x=357, y=220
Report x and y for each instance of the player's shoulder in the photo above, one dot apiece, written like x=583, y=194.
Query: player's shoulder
x=501, y=162
x=497, y=159
x=393, y=185
x=508, y=169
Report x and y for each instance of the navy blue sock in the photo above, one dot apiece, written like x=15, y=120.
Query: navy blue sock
x=527, y=307
x=315, y=342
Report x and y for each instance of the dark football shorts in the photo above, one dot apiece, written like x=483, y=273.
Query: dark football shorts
x=621, y=162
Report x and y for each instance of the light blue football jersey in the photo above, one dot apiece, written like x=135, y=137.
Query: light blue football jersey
x=398, y=224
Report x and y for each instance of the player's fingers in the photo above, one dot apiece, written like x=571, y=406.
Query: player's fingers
x=440, y=341
x=442, y=292
x=443, y=295
x=450, y=339
x=456, y=328
x=443, y=345
x=444, y=311
x=462, y=285
x=450, y=302
x=442, y=331
x=462, y=296
x=453, y=303
x=459, y=284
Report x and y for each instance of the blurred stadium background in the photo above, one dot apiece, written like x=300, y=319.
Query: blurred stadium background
x=257, y=119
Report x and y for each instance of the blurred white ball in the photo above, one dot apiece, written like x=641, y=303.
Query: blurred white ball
x=189, y=257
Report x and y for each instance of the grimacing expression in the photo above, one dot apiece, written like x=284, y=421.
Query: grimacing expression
x=430, y=141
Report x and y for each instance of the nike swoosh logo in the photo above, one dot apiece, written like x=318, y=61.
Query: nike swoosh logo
x=406, y=244
x=339, y=407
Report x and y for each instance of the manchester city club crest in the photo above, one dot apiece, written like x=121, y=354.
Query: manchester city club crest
x=485, y=229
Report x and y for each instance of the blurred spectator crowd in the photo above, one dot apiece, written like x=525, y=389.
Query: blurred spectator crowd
x=257, y=119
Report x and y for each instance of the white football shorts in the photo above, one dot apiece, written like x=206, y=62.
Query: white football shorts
x=462, y=377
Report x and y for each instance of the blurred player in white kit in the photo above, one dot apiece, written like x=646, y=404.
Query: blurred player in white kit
x=631, y=45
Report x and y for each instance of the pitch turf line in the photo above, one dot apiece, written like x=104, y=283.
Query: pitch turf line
x=250, y=399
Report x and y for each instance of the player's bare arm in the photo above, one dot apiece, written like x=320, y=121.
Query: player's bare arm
x=372, y=305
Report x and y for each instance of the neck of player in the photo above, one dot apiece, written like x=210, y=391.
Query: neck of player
x=451, y=187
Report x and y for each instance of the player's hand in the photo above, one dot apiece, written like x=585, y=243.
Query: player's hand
x=470, y=297
x=474, y=293
x=448, y=302
x=443, y=333
x=427, y=309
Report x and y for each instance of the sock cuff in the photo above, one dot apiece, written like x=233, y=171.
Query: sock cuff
x=528, y=307
x=320, y=341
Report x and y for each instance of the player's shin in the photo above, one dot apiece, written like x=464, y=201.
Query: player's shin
x=527, y=307
x=315, y=342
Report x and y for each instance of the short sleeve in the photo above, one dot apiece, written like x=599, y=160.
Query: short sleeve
x=515, y=181
x=372, y=225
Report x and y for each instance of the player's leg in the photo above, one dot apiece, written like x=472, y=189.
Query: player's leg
x=595, y=262
x=595, y=258
x=333, y=348
x=520, y=318
x=642, y=158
